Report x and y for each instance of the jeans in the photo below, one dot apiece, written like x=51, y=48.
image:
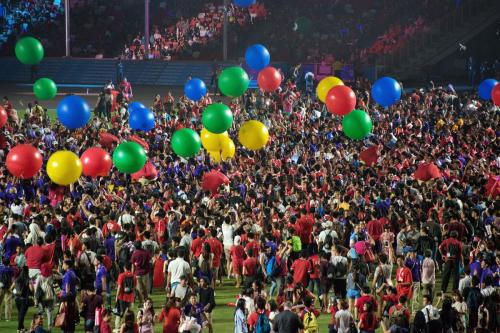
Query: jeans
x=275, y=285
x=451, y=268
x=22, y=309
x=315, y=286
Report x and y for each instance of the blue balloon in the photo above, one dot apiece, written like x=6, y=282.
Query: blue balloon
x=257, y=57
x=386, y=91
x=141, y=119
x=73, y=112
x=195, y=89
x=244, y=3
x=485, y=88
x=135, y=106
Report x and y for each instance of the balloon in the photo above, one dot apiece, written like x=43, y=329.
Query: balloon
x=135, y=106
x=233, y=81
x=495, y=95
x=195, y=89
x=24, y=161
x=340, y=100
x=45, y=89
x=325, y=85
x=73, y=112
x=29, y=51
x=211, y=141
x=228, y=148
x=244, y=3
x=302, y=25
x=148, y=171
x=257, y=57
x=215, y=156
x=64, y=167
x=96, y=162
x=485, y=88
x=4, y=117
x=357, y=125
x=269, y=79
x=141, y=119
x=212, y=180
x=217, y=118
x=370, y=155
x=186, y=142
x=253, y=135
x=129, y=157
x=386, y=91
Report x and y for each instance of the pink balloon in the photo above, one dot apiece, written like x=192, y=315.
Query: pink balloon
x=96, y=162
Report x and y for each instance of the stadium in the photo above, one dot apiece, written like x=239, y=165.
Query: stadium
x=249, y=166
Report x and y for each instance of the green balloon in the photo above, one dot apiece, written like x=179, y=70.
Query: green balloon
x=45, y=89
x=186, y=142
x=233, y=81
x=129, y=157
x=357, y=125
x=217, y=118
x=303, y=25
x=29, y=51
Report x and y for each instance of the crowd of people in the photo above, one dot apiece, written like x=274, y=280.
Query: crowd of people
x=189, y=35
x=306, y=226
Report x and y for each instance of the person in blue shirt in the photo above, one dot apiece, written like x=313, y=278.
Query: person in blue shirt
x=69, y=296
x=100, y=275
x=12, y=240
x=414, y=265
x=486, y=271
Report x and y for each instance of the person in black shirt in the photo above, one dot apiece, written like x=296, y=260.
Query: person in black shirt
x=206, y=296
x=287, y=321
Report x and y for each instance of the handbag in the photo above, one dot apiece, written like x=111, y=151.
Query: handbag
x=60, y=319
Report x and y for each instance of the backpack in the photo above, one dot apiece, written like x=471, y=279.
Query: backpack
x=330, y=271
x=276, y=268
x=310, y=322
x=296, y=244
x=398, y=316
x=128, y=284
x=340, y=270
x=5, y=280
x=263, y=325
x=328, y=240
x=124, y=255
x=474, y=299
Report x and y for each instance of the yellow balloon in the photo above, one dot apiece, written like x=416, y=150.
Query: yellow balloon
x=211, y=141
x=64, y=167
x=325, y=85
x=253, y=135
x=228, y=149
x=215, y=155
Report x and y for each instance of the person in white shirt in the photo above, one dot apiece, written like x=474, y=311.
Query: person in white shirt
x=227, y=241
x=429, y=311
x=428, y=274
x=343, y=318
x=176, y=269
x=466, y=281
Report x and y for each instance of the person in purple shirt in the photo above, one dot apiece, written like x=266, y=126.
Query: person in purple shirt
x=69, y=295
x=475, y=266
x=109, y=244
x=12, y=240
x=100, y=276
x=486, y=271
x=414, y=265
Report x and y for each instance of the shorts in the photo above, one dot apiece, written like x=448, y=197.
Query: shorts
x=353, y=293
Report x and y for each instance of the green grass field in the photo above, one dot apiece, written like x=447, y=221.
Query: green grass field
x=222, y=315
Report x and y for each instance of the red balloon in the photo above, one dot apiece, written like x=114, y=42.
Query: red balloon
x=24, y=161
x=212, y=180
x=3, y=117
x=269, y=79
x=96, y=162
x=495, y=94
x=340, y=100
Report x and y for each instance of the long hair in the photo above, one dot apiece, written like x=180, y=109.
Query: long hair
x=240, y=305
x=170, y=303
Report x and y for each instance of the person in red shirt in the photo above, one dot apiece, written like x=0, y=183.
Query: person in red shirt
x=375, y=229
x=305, y=224
x=301, y=268
x=217, y=249
x=171, y=316
x=105, y=326
x=254, y=316
x=401, y=305
x=314, y=283
x=365, y=297
x=451, y=251
x=249, y=268
x=197, y=244
x=368, y=321
x=253, y=244
x=124, y=294
x=404, y=279
x=237, y=253
x=35, y=257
